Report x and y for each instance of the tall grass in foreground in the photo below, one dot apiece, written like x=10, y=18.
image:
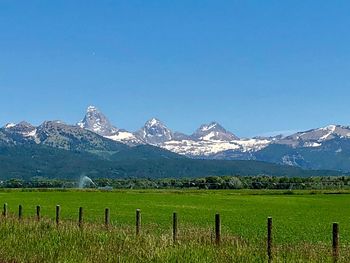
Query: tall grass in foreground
x=44, y=241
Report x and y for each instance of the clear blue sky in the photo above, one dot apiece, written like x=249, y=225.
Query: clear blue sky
x=254, y=66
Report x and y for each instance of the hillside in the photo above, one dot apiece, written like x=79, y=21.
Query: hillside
x=26, y=161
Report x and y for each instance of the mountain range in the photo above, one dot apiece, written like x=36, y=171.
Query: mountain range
x=155, y=150
x=320, y=148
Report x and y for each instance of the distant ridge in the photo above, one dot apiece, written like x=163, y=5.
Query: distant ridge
x=321, y=148
x=32, y=160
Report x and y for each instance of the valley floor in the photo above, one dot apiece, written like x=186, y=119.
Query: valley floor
x=302, y=226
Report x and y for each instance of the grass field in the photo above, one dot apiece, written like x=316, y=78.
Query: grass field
x=302, y=225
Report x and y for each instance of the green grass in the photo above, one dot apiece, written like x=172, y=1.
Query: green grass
x=302, y=225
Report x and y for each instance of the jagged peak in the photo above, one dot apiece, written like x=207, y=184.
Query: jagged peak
x=210, y=126
x=92, y=108
x=154, y=122
x=154, y=131
x=213, y=131
x=94, y=120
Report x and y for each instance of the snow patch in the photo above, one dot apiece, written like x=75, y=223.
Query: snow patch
x=153, y=122
x=209, y=127
x=330, y=129
x=210, y=147
x=209, y=136
x=120, y=136
x=30, y=134
x=312, y=144
x=10, y=125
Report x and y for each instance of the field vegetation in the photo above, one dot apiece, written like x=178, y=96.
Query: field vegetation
x=302, y=226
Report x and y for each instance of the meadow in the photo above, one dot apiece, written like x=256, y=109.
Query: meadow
x=302, y=226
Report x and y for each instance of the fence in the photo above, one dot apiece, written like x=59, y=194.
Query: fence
x=217, y=226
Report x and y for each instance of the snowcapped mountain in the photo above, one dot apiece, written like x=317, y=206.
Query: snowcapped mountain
x=213, y=141
x=315, y=137
x=207, y=140
x=154, y=132
x=322, y=148
x=95, y=121
x=213, y=131
x=59, y=135
x=210, y=139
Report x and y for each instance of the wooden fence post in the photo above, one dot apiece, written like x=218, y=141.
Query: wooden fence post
x=58, y=210
x=217, y=229
x=269, y=239
x=38, y=212
x=174, y=227
x=335, y=244
x=138, y=222
x=4, y=212
x=80, y=220
x=20, y=212
x=107, y=217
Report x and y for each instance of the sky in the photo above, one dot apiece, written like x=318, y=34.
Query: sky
x=256, y=67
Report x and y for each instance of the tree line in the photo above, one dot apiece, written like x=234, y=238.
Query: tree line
x=209, y=182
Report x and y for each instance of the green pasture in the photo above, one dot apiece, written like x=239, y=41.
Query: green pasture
x=298, y=217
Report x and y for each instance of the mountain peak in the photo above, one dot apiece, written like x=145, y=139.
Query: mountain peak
x=154, y=132
x=91, y=108
x=210, y=126
x=213, y=131
x=97, y=122
x=154, y=122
